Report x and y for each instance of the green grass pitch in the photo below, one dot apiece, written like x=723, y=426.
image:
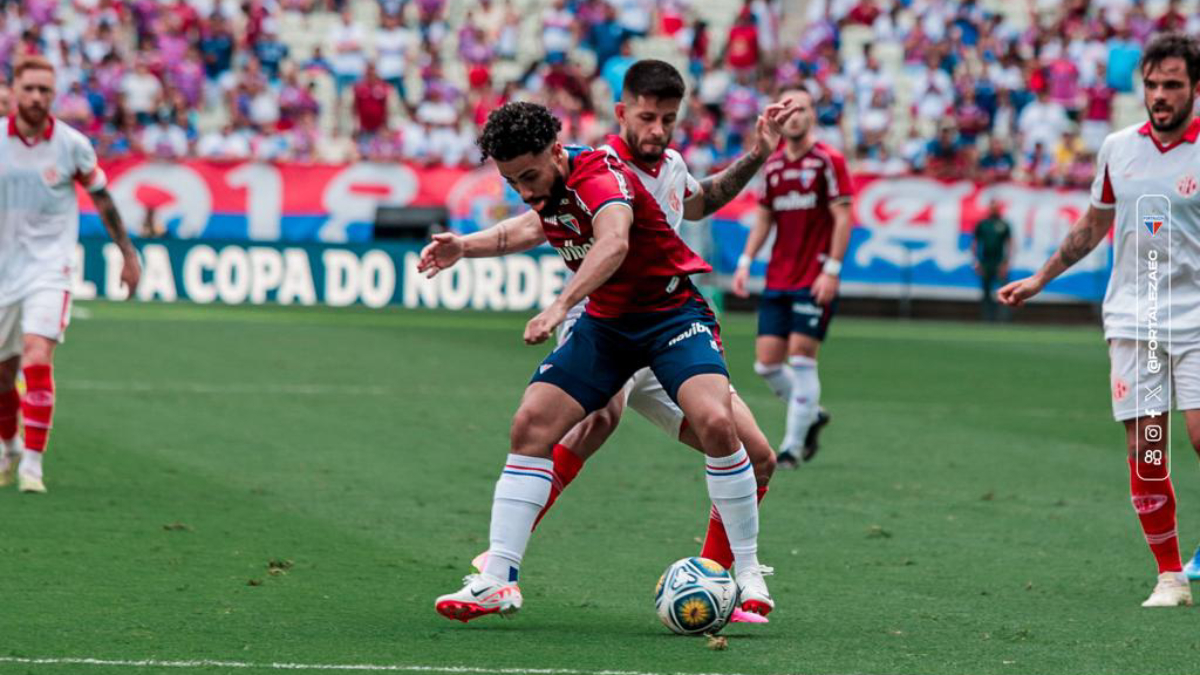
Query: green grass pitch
x=969, y=511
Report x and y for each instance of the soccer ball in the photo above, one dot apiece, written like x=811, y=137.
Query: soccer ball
x=695, y=595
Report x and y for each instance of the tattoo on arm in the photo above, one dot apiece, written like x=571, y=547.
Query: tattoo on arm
x=1077, y=245
x=720, y=189
x=503, y=236
x=107, y=209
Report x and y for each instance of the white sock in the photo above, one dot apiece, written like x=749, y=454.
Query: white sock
x=803, y=402
x=31, y=464
x=778, y=377
x=521, y=492
x=733, y=490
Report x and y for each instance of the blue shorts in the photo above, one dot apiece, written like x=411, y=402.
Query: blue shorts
x=781, y=313
x=599, y=356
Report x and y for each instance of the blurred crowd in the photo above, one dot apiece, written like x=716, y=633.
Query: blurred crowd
x=1023, y=89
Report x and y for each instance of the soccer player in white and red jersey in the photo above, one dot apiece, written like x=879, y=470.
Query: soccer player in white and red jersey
x=1147, y=189
x=41, y=160
x=807, y=200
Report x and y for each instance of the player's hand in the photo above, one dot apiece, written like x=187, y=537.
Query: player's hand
x=769, y=128
x=1016, y=293
x=825, y=289
x=441, y=253
x=739, y=282
x=541, y=327
x=131, y=272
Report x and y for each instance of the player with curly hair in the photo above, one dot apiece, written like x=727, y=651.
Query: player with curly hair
x=642, y=311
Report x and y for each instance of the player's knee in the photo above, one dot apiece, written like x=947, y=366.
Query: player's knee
x=764, y=467
x=527, y=432
x=715, y=427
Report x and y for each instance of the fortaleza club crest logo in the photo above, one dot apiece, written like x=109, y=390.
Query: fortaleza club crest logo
x=568, y=221
x=1153, y=223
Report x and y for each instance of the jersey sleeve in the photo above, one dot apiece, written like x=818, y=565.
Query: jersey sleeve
x=602, y=184
x=1103, y=196
x=87, y=169
x=840, y=187
x=690, y=185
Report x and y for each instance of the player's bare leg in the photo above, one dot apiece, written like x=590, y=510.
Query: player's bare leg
x=1153, y=498
x=545, y=415
x=37, y=409
x=10, y=405
x=795, y=382
x=707, y=403
x=580, y=443
x=1192, y=568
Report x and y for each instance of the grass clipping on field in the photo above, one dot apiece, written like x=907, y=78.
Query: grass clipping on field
x=717, y=643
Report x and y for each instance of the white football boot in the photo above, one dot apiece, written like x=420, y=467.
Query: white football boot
x=1172, y=590
x=753, y=595
x=29, y=474
x=480, y=595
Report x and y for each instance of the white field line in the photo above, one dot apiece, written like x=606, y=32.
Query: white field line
x=210, y=663
x=226, y=388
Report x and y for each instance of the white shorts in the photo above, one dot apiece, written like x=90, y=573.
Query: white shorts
x=1143, y=382
x=44, y=313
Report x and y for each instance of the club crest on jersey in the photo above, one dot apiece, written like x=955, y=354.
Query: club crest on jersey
x=1187, y=185
x=673, y=201
x=570, y=222
x=1153, y=223
x=50, y=175
x=806, y=178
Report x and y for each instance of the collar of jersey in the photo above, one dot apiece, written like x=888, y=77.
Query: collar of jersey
x=12, y=130
x=618, y=144
x=1189, y=136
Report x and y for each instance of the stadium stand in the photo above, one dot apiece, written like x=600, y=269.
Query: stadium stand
x=981, y=88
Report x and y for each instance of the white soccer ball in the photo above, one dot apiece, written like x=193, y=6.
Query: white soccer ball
x=695, y=595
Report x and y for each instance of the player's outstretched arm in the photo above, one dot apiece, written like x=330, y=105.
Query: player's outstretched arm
x=511, y=235
x=758, y=235
x=611, y=227
x=131, y=269
x=719, y=189
x=1085, y=235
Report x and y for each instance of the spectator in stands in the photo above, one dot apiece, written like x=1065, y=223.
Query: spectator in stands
x=142, y=92
x=945, y=155
x=1097, y=110
x=270, y=50
x=392, y=45
x=349, y=60
x=217, y=47
x=606, y=36
x=1042, y=121
x=558, y=32
x=226, y=143
x=164, y=139
x=371, y=104
x=970, y=116
x=741, y=48
x=997, y=164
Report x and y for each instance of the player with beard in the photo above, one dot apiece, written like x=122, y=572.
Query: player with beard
x=1147, y=189
x=41, y=159
x=807, y=201
x=642, y=311
x=651, y=96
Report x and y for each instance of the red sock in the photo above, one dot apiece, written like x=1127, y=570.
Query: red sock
x=716, y=542
x=566, y=466
x=10, y=403
x=38, y=406
x=1154, y=501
